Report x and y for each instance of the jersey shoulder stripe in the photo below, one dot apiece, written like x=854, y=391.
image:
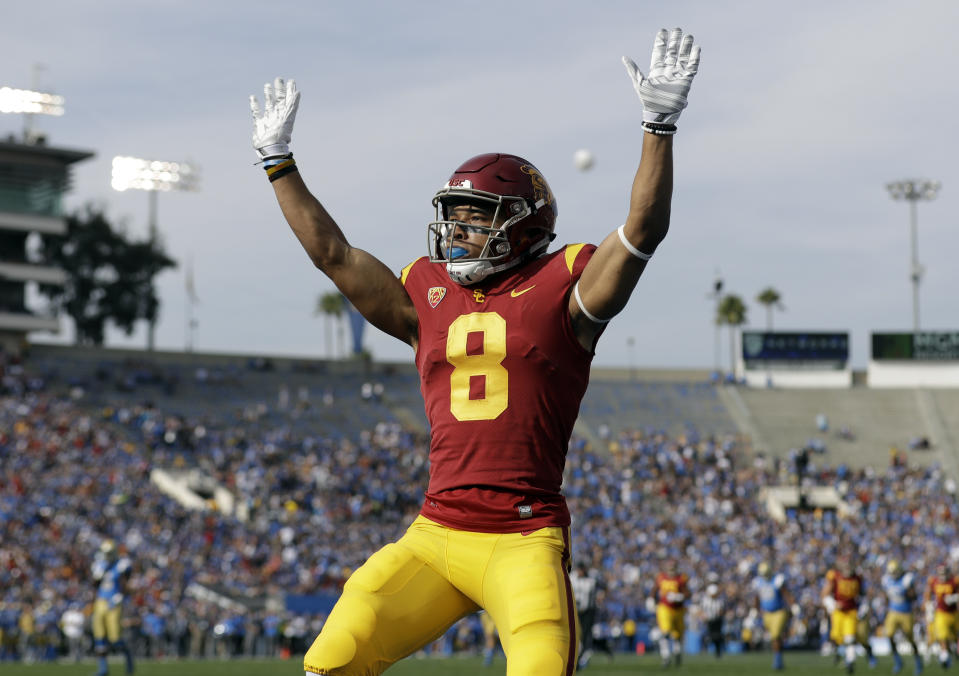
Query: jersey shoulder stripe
x=571, y=253
x=405, y=272
x=577, y=256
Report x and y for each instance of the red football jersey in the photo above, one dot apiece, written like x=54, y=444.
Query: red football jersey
x=502, y=376
x=942, y=588
x=670, y=584
x=846, y=590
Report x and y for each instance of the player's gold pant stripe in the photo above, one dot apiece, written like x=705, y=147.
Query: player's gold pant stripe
x=570, y=606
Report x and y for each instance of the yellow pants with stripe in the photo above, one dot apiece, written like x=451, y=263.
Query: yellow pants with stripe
x=409, y=593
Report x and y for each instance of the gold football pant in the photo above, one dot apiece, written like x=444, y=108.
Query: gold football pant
x=943, y=626
x=896, y=621
x=844, y=626
x=774, y=622
x=411, y=591
x=106, y=622
x=671, y=621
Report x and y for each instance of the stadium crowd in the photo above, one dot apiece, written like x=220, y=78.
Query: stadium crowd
x=205, y=583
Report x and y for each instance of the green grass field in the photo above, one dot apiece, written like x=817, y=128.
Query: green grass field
x=797, y=664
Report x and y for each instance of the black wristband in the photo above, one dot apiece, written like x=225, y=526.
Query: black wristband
x=659, y=129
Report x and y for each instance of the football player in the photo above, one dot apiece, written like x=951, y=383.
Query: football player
x=901, y=598
x=503, y=334
x=846, y=593
x=671, y=594
x=943, y=590
x=774, y=601
x=110, y=573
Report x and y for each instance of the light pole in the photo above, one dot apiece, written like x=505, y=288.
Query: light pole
x=913, y=190
x=133, y=173
x=715, y=295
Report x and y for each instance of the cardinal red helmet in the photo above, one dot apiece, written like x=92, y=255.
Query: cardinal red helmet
x=523, y=215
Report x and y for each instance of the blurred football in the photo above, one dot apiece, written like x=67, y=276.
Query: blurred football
x=583, y=159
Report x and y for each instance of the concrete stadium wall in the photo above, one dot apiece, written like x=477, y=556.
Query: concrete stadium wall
x=799, y=379
x=913, y=374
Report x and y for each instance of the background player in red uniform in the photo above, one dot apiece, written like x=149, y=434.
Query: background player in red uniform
x=503, y=334
x=845, y=589
x=943, y=590
x=671, y=594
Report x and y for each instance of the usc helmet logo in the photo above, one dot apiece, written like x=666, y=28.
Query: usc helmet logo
x=540, y=188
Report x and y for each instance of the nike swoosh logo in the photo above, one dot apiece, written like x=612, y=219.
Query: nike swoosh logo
x=514, y=293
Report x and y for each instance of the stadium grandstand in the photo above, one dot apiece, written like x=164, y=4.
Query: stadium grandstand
x=227, y=481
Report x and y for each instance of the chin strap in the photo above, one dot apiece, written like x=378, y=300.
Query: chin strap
x=472, y=272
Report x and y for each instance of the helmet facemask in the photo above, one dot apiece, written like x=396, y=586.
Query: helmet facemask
x=498, y=252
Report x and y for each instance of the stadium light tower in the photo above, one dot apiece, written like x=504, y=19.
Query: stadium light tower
x=154, y=176
x=913, y=190
x=29, y=103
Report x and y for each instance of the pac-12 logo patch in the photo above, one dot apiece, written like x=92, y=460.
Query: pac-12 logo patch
x=435, y=295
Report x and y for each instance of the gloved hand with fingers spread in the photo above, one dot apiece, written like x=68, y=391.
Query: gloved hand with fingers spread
x=273, y=128
x=663, y=91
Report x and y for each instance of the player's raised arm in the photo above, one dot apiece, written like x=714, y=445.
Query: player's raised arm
x=368, y=284
x=612, y=272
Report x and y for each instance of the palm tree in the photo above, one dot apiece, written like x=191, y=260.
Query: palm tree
x=732, y=313
x=330, y=305
x=771, y=300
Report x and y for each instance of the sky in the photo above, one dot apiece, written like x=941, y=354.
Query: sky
x=800, y=115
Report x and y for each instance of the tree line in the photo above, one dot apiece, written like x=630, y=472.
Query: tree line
x=110, y=277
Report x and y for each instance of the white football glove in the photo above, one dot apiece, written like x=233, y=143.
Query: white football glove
x=273, y=129
x=672, y=68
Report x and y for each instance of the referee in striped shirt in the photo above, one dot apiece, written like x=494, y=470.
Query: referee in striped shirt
x=584, y=591
x=713, y=608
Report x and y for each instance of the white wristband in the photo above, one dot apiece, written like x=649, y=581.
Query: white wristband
x=629, y=247
x=579, y=301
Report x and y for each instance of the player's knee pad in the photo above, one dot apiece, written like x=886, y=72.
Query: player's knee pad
x=540, y=649
x=540, y=662
x=353, y=620
x=331, y=652
x=349, y=626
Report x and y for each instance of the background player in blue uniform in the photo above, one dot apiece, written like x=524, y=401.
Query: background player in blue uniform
x=774, y=601
x=901, y=597
x=110, y=572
